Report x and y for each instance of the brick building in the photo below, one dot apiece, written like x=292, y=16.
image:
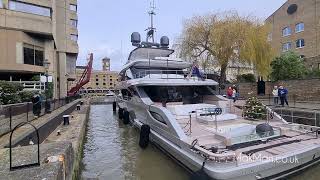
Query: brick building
x=100, y=79
x=296, y=27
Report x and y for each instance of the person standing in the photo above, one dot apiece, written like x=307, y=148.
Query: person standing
x=229, y=93
x=234, y=95
x=275, y=94
x=283, y=92
x=36, y=101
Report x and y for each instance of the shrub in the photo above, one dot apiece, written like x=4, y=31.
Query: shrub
x=10, y=87
x=26, y=96
x=288, y=66
x=10, y=98
x=315, y=73
x=254, y=109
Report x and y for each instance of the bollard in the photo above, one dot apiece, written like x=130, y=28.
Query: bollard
x=66, y=119
x=81, y=103
x=114, y=106
x=78, y=107
x=120, y=113
x=126, y=117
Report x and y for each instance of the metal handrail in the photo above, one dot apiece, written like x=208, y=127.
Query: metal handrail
x=270, y=115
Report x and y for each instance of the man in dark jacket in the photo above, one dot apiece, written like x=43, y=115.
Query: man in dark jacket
x=283, y=92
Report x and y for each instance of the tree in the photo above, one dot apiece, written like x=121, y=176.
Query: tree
x=288, y=66
x=226, y=38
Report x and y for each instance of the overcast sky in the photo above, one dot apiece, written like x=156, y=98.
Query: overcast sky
x=105, y=26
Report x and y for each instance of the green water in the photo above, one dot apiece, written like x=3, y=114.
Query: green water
x=112, y=152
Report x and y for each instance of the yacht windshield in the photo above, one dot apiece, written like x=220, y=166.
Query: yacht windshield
x=149, y=53
x=185, y=94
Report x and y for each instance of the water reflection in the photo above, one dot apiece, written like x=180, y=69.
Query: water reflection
x=112, y=152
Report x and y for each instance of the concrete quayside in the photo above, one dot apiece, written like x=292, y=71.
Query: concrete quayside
x=60, y=148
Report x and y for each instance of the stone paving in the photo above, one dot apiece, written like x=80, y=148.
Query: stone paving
x=52, y=169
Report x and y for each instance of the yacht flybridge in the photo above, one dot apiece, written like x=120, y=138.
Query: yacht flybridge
x=182, y=114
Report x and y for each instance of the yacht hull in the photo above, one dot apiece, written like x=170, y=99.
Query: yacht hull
x=193, y=162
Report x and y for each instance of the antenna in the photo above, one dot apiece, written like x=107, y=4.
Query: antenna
x=151, y=30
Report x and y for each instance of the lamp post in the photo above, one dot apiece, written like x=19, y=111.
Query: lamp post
x=67, y=76
x=46, y=65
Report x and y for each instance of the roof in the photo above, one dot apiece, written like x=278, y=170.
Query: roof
x=277, y=9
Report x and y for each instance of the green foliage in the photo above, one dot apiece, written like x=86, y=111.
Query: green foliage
x=246, y=78
x=315, y=73
x=288, y=66
x=254, y=109
x=26, y=96
x=35, y=78
x=49, y=92
x=11, y=93
x=9, y=87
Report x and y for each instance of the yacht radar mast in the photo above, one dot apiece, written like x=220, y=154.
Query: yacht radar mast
x=151, y=30
x=150, y=40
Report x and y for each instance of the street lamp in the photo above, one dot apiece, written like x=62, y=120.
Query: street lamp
x=46, y=65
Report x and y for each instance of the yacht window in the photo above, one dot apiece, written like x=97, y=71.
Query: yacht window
x=133, y=91
x=185, y=94
x=126, y=94
x=158, y=117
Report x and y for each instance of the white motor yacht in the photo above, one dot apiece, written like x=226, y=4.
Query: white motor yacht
x=182, y=114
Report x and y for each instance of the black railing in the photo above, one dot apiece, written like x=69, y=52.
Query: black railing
x=294, y=101
x=12, y=168
x=12, y=115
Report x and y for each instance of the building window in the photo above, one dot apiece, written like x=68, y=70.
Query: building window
x=110, y=84
x=1, y=4
x=29, y=8
x=73, y=7
x=286, y=31
x=299, y=27
x=111, y=80
x=97, y=84
x=73, y=23
x=269, y=37
x=97, y=79
x=104, y=79
x=319, y=66
x=300, y=43
x=33, y=55
x=74, y=37
x=302, y=56
x=104, y=84
x=286, y=46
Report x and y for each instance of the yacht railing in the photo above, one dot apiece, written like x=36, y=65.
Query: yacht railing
x=165, y=74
